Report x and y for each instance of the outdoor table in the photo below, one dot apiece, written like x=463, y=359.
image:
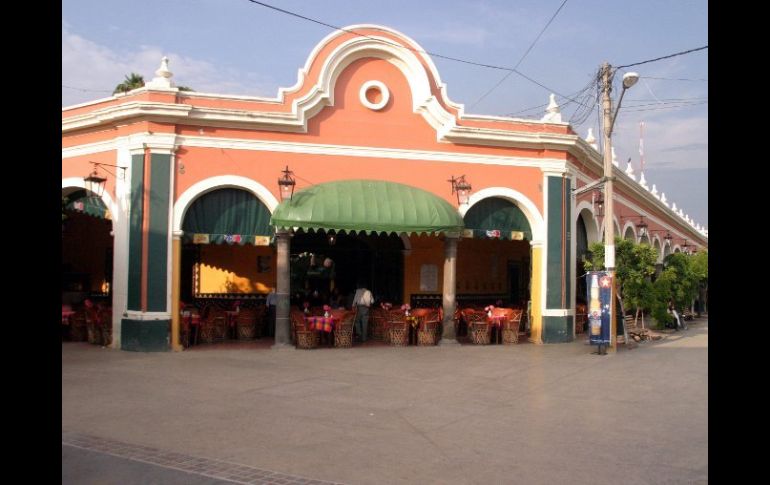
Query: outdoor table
x=496, y=323
x=230, y=316
x=413, y=325
x=65, y=316
x=322, y=324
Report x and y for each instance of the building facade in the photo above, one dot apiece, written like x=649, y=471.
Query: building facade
x=371, y=140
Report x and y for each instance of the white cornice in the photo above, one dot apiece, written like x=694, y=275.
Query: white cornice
x=550, y=165
x=369, y=152
x=626, y=182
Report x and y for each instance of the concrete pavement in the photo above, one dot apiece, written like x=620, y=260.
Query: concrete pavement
x=452, y=415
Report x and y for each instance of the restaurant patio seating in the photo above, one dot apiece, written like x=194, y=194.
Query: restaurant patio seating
x=343, y=329
x=398, y=335
x=478, y=326
x=304, y=338
x=427, y=330
x=246, y=323
x=379, y=318
x=510, y=325
x=78, y=326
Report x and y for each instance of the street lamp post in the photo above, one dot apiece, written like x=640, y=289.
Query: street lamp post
x=629, y=79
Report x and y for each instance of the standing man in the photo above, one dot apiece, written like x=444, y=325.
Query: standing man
x=362, y=300
x=270, y=301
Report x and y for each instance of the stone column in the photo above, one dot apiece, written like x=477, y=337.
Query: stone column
x=176, y=265
x=448, y=336
x=282, y=322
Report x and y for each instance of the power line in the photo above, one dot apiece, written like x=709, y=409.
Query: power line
x=522, y=57
x=86, y=90
x=432, y=54
x=665, y=57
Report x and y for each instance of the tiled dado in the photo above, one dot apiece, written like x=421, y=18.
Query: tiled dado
x=218, y=469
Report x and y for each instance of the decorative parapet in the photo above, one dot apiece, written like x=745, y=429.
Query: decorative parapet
x=552, y=112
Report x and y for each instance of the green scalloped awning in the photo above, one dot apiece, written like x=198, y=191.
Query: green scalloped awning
x=85, y=202
x=498, y=216
x=233, y=216
x=367, y=206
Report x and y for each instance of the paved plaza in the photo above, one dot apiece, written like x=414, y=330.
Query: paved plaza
x=532, y=414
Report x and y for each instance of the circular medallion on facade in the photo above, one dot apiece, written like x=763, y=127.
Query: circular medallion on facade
x=374, y=95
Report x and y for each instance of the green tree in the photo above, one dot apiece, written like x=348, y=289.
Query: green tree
x=700, y=266
x=634, y=267
x=132, y=81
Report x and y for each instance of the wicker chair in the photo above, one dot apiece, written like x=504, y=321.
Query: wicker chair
x=246, y=323
x=105, y=316
x=478, y=326
x=398, y=335
x=304, y=338
x=93, y=326
x=343, y=332
x=78, y=327
x=427, y=331
x=378, y=319
x=213, y=326
x=510, y=326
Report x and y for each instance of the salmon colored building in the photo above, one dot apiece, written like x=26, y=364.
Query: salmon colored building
x=194, y=208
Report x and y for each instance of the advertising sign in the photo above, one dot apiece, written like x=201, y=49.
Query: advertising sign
x=599, y=293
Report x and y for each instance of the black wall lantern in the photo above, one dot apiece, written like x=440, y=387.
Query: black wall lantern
x=286, y=184
x=461, y=187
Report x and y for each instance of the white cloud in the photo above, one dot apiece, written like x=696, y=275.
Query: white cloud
x=94, y=70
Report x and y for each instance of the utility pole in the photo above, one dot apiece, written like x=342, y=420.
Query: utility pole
x=609, y=226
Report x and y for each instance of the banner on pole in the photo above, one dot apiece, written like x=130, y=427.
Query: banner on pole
x=599, y=285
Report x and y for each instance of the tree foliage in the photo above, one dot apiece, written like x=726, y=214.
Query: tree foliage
x=636, y=286
x=131, y=81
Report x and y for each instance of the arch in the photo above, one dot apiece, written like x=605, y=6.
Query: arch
x=677, y=249
x=666, y=250
x=617, y=229
x=585, y=211
x=220, y=182
x=71, y=184
x=629, y=232
x=536, y=223
x=408, y=58
x=658, y=249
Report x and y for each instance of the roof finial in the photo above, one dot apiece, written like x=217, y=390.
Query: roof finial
x=642, y=181
x=162, y=77
x=591, y=139
x=552, y=112
x=630, y=170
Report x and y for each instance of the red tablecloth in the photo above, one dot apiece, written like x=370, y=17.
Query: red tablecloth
x=65, y=316
x=193, y=319
x=231, y=314
x=497, y=321
x=322, y=323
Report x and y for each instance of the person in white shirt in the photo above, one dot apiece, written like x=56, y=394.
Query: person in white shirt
x=362, y=300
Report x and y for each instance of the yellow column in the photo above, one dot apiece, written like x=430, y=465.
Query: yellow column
x=176, y=263
x=536, y=325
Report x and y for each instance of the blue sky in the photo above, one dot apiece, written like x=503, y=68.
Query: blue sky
x=237, y=47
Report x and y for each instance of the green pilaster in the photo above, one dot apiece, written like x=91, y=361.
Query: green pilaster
x=558, y=262
x=157, y=248
x=135, y=233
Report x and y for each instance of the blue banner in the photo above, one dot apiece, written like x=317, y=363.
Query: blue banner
x=599, y=294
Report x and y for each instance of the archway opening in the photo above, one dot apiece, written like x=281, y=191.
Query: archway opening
x=494, y=258
x=87, y=257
